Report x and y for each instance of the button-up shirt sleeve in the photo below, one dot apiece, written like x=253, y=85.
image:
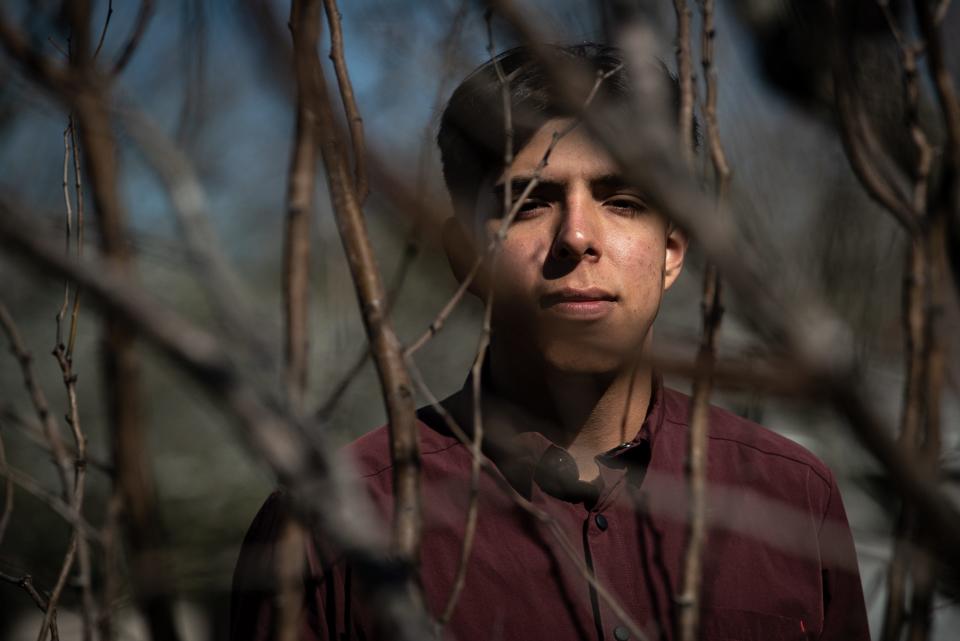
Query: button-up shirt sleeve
x=845, y=616
x=253, y=606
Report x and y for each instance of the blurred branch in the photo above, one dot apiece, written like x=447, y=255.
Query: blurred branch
x=26, y=582
x=305, y=29
x=214, y=272
x=144, y=14
x=296, y=453
x=948, y=198
x=712, y=310
x=7, y=493
x=62, y=508
x=866, y=158
x=103, y=32
x=354, y=121
x=685, y=79
x=152, y=585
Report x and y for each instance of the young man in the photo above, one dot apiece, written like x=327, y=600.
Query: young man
x=578, y=425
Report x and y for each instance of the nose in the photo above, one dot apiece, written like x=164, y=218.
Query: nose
x=578, y=235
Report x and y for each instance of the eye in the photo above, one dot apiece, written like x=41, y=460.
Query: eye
x=626, y=205
x=531, y=207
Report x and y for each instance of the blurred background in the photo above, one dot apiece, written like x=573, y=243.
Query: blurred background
x=212, y=76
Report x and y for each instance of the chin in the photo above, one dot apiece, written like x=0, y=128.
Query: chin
x=580, y=358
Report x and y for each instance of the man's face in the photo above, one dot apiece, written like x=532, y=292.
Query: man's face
x=583, y=269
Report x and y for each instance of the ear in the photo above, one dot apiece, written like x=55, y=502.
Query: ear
x=676, y=250
x=462, y=256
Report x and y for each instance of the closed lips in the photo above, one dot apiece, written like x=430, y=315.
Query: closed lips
x=577, y=296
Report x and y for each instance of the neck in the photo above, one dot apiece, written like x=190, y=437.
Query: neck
x=586, y=414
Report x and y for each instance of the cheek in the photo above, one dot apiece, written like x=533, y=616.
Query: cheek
x=641, y=265
x=519, y=263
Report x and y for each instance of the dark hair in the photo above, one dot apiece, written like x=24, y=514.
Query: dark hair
x=472, y=132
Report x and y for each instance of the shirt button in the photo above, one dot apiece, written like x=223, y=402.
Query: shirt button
x=601, y=521
x=620, y=633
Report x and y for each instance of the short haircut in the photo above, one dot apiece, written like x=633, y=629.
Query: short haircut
x=472, y=133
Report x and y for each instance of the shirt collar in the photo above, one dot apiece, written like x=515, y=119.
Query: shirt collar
x=526, y=457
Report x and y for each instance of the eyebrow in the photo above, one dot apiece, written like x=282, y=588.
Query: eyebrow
x=606, y=182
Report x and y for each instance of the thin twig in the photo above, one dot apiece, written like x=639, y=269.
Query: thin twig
x=103, y=32
x=69, y=226
x=51, y=430
x=80, y=466
x=712, y=309
x=685, y=79
x=133, y=40
x=355, y=122
x=906, y=560
x=476, y=446
x=295, y=451
x=26, y=582
x=78, y=189
x=121, y=372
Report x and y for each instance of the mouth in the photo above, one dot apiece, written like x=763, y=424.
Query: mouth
x=582, y=304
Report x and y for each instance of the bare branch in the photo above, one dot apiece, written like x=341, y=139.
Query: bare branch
x=133, y=40
x=296, y=452
x=78, y=189
x=50, y=428
x=355, y=122
x=69, y=226
x=712, y=309
x=7, y=494
x=305, y=29
x=386, y=348
x=51, y=500
x=685, y=79
x=103, y=32
x=26, y=582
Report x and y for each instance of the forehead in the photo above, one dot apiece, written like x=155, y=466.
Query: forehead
x=574, y=156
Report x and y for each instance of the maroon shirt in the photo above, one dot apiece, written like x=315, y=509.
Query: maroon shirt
x=779, y=561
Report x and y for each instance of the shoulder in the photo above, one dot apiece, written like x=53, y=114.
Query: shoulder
x=747, y=439
x=370, y=453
